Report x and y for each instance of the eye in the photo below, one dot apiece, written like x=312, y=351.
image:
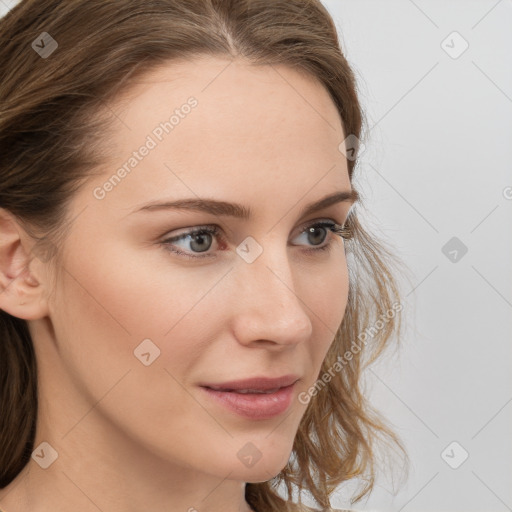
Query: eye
x=318, y=232
x=200, y=241
x=200, y=238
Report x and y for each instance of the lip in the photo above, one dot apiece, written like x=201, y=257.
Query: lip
x=258, y=383
x=254, y=406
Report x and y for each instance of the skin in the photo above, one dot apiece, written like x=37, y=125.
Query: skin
x=132, y=437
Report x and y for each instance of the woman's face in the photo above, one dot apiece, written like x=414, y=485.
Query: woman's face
x=139, y=329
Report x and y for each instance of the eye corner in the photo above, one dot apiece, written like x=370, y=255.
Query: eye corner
x=344, y=232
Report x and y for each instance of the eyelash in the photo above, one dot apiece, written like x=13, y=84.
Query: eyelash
x=344, y=232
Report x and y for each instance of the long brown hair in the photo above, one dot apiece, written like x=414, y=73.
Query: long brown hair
x=53, y=118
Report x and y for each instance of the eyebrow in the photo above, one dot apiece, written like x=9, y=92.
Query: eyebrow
x=223, y=208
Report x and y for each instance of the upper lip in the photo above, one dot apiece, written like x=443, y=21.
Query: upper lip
x=256, y=383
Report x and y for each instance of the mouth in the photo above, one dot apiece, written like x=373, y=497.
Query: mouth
x=254, y=384
x=245, y=391
x=258, y=398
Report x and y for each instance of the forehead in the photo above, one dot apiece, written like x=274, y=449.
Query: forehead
x=217, y=124
x=236, y=101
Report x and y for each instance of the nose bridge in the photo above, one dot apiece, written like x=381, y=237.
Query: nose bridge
x=269, y=307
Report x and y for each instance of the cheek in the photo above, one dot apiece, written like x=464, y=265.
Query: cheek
x=106, y=306
x=327, y=302
x=103, y=311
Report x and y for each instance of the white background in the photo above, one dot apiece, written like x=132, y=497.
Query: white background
x=437, y=165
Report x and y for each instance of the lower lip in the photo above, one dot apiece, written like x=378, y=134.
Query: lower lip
x=255, y=406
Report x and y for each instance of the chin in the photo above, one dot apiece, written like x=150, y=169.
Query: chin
x=256, y=475
x=270, y=463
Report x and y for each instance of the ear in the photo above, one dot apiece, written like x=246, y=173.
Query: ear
x=21, y=292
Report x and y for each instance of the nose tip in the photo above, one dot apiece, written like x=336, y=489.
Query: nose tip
x=270, y=310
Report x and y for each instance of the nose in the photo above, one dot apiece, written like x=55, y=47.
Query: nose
x=268, y=308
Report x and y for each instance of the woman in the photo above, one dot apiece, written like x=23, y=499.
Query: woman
x=185, y=285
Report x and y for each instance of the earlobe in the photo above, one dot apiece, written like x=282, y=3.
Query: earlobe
x=21, y=293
